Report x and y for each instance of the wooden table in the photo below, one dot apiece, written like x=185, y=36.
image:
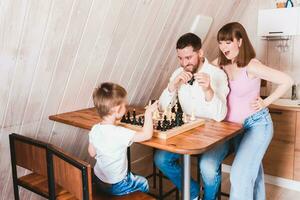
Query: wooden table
x=195, y=141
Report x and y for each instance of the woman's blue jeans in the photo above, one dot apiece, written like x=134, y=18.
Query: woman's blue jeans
x=246, y=176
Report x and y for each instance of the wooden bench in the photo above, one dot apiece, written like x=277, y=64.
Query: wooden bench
x=54, y=173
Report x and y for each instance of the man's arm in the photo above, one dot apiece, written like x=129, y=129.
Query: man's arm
x=169, y=94
x=218, y=104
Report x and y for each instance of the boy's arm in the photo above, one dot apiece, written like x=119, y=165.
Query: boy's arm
x=92, y=150
x=147, y=130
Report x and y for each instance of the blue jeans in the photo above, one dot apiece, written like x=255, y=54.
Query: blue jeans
x=131, y=183
x=168, y=163
x=247, y=177
x=210, y=166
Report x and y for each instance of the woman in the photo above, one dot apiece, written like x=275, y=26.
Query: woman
x=244, y=71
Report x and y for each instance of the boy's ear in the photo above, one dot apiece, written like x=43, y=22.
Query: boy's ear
x=116, y=109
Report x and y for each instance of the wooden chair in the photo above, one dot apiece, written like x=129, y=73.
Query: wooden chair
x=75, y=177
x=31, y=155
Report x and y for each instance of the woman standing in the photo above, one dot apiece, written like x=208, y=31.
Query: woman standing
x=244, y=71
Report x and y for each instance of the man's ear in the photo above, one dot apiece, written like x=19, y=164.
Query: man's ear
x=201, y=53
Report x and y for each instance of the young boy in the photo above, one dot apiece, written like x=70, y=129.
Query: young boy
x=108, y=142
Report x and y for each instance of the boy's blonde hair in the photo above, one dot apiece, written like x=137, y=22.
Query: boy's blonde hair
x=107, y=96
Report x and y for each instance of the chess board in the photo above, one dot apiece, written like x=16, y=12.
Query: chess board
x=165, y=134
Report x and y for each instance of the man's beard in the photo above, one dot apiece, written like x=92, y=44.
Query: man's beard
x=194, y=69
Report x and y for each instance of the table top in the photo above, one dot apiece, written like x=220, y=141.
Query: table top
x=194, y=141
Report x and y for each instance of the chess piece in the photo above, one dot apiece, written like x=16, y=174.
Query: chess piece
x=128, y=120
x=158, y=125
x=191, y=81
x=177, y=119
x=181, y=119
x=134, y=121
x=123, y=119
x=176, y=107
x=140, y=121
x=184, y=118
x=192, y=118
x=173, y=123
x=164, y=127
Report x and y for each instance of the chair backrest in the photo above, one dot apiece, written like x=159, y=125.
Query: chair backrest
x=32, y=155
x=29, y=153
x=70, y=173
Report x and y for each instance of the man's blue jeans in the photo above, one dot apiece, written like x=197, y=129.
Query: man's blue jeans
x=210, y=165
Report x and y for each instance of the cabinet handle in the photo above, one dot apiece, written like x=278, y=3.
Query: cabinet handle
x=276, y=112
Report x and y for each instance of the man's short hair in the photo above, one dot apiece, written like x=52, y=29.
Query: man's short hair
x=189, y=39
x=107, y=96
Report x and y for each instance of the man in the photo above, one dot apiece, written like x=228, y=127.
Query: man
x=203, y=97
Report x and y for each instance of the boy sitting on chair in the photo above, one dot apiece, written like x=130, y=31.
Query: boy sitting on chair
x=108, y=142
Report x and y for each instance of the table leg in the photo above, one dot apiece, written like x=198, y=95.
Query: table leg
x=129, y=159
x=186, y=177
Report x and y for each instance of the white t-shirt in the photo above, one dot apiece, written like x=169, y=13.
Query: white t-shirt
x=111, y=144
x=192, y=97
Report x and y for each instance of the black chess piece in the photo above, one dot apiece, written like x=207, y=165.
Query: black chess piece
x=158, y=127
x=181, y=122
x=173, y=123
x=134, y=121
x=128, y=120
x=164, y=127
x=140, y=121
x=191, y=81
x=165, y=119
x=123, y=119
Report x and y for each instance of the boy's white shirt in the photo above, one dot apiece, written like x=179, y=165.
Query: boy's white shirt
x=110, y=143
x=192, y=97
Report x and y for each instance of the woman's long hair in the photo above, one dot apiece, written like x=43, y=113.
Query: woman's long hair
x=246, y=52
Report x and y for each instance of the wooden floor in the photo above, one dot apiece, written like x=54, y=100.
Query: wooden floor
x=273, y=192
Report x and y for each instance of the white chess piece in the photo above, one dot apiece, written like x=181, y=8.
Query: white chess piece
x=192, y=118
x=184, y=118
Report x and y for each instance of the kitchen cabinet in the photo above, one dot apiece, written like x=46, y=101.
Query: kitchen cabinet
x=279, y=158
x=282, y=158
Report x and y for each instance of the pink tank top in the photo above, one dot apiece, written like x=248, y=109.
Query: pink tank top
x=243, y=91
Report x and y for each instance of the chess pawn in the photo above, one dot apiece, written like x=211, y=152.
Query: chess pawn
x=158, y=126
x=157, y=114
x=140, y=121
x=169, y=114
x=185, y=118
x=123, y=119
x=192, y=118
x=176, y=107
x=128, y=120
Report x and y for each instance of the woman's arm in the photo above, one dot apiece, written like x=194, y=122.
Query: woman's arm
x=257, y=69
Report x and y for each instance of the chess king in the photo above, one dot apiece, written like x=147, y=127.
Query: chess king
x=201, y=89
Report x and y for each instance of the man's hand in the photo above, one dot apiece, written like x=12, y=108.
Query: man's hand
x=203, y=80
x=180, y=79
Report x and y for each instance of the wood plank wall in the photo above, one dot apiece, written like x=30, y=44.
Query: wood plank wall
x=53, y=53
